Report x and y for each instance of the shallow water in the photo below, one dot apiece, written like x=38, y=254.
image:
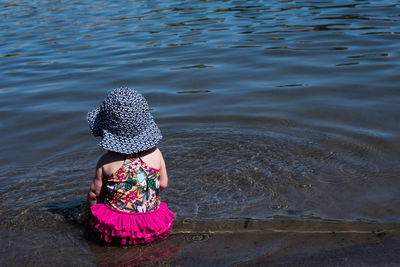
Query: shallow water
x=269, y=110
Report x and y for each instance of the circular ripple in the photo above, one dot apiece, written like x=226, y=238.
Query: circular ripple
x=200, y=237
x=350, y=163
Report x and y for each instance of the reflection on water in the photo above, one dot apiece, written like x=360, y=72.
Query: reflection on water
x=270, y=110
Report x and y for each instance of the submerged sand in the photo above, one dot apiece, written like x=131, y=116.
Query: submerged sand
x=273, y=243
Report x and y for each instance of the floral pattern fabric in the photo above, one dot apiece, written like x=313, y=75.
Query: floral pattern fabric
x=135, y=187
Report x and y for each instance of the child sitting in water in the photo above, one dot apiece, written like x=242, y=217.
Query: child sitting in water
x=124, y=197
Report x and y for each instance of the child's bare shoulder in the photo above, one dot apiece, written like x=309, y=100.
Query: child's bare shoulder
x=152, y=157
x=157, y=152
x=110, y=162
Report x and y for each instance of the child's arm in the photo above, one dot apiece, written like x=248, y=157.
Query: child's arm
x=163, y=175
x=95, y=194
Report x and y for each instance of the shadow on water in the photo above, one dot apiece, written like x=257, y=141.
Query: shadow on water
x=71, y=213
x=70, y=210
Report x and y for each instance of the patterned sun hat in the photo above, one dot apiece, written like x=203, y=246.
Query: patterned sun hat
x=124, y=122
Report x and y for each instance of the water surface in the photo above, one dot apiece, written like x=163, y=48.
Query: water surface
x=269, y=110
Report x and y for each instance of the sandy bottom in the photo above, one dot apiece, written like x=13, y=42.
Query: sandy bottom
x=276, y=243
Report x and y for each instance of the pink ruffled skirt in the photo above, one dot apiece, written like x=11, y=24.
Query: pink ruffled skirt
x=131, y=228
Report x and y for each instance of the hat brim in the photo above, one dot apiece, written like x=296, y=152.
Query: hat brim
x=147, y=139
x=92, y=117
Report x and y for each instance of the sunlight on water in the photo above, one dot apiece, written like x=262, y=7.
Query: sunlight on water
x=270, y=110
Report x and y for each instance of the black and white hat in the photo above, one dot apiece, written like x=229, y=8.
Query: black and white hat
x=124, y=122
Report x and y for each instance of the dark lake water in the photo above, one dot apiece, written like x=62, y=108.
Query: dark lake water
x=269, y=110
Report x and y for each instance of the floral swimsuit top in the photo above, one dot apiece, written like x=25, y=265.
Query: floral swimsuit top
x=135, y=187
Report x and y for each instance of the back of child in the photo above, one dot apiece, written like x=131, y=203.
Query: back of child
x=124, y=198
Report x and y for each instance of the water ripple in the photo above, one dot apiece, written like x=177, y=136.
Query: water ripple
x=269, y=109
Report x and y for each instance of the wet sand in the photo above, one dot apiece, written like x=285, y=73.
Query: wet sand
x=296, y=250
x=274, y=243
x=34, y=239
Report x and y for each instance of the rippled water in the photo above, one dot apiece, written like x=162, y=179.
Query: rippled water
x=269, y=110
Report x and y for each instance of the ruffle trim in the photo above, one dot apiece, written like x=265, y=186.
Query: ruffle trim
x=131, y=228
